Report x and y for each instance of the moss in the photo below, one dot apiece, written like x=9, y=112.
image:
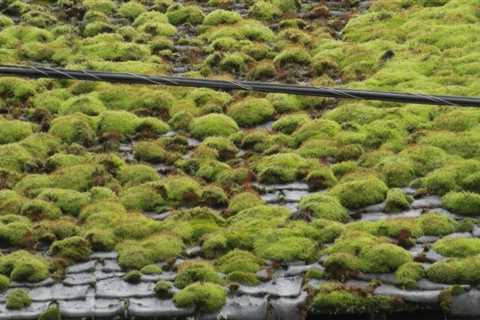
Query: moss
x=455, y=271
x=314, y=273
x=16, y=158
x=39, y=209
x=384, y=257
x=289, y=123
x=321, y=205
x=135, y=174
x=133, y=276
x=225, y=147
x=463, y=203
x=79, y=177
x=69, y=201
x=436, y=224
x=18, y=299
x=220, y=16
x=408, y=274
x=234, y=63
x=425, y=158
x=282, y=167
x=286, y=248
x=193, y=271
x=239, y=261
x=51, y=313
x=138, y=254
x=151, y=269
x=319, y=128
x=472, y=182
x=15, y=232
x=214, y=196
x=23, y=266
x=87, y=104
x=457, y=247
x=293, y=56
x=333, y=298
x=397, y=201
x=264, y=10
x=163, y=290
x=131, y=10
x=74, y=128
x=183, y=190
x=142, y=197
x=178, y=13
x=210, y=169
x=321, y=178
x=104, y=6
x=397, y=171
x=4, y=283
x=152, y=126
x=205, y=297
x=74, y=248
x=360, y=193
x=449, y=177
x=11, y=202
x=251, y=112
x=244, y=200
x=14, y=130
x=122, y=122
x=213, y=125
x=47, y=231
x=41, y=144
x=244, y=278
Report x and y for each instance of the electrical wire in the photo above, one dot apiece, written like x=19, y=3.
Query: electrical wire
x=38, y=71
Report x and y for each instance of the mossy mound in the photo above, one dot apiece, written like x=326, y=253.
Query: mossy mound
x=18, y=299
x=24, y=267
x=282, y=167
x=251, y=112
x=204, y=297
x=213, y=125
x=360, y=193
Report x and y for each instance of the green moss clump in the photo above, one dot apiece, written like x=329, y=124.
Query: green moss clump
x=51, y=313
x=183, y=190
x=397, y=171
x=151, y=269
x=204, y=296
x=397, y=201
x=436, y=224
x=251, y=112
x=178, y=13
x=151, y=126
x=73, y=248
x=425, y=158
x=11, y=202
x=455, y=271
x=408, y=274
x=14, y=130
x=281, y=167
x=321, y=205
x=135, y=254
x=319, y=129
x=135, y=174
x=457, y=247
x=213, y=125
x=449, y=177
x=214, y=196
x=321, y=178
x=384, y=257
x=144, y=197
x=22, y=266
x=15, y=230
x=220, y=16
x=244, y=201
x=131, y=10
x=121, y=122
x=37, y=209
x=18, y=299
x=133, y=276
x=4, y=283
x=78, y=177
x=264, y=10
x=193, y=271
x=334, y=298
x=360, y=193
x=289, y=123
x=163, y=290
x=225, y=147
x=285, y=248
x=75, y=128
x=69, y=201
x=239, y=261
x=464, y=203
x=293, y=56
x=87, y=104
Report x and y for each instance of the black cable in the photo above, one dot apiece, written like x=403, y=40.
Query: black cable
x=340, y=93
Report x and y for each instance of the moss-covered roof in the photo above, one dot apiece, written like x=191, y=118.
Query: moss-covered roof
x=168, y=202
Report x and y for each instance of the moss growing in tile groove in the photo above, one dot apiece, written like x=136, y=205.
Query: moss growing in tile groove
x=205, y=297
x=397, y=200
x=18, y=299
x=196, y=271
